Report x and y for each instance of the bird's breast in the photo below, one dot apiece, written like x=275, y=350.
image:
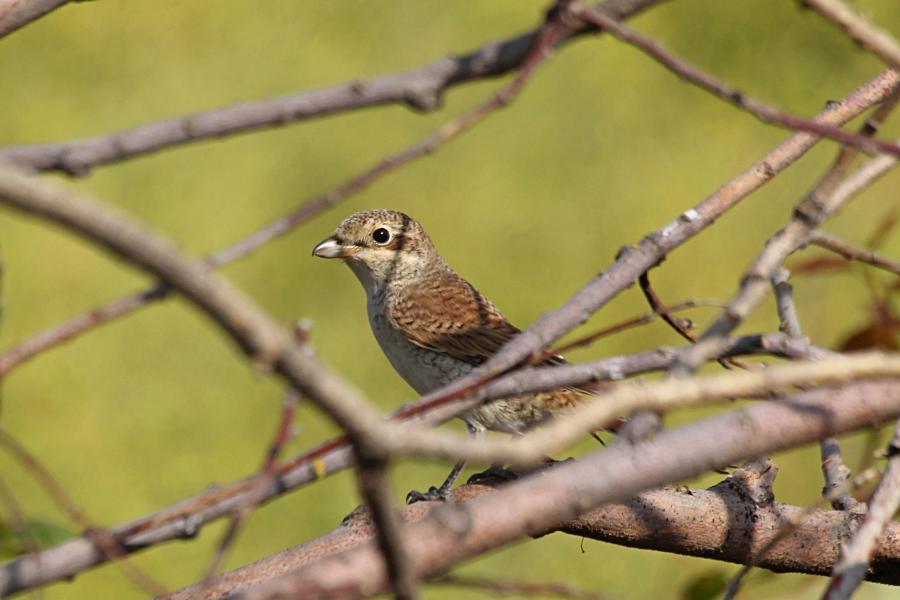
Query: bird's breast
x=422, y=369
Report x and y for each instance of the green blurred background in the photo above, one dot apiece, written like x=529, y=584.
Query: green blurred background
x=602, y=147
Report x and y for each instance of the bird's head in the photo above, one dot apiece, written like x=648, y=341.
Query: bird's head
x=381, y=246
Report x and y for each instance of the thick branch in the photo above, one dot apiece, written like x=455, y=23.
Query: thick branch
x=734, y=528
x=537, y=504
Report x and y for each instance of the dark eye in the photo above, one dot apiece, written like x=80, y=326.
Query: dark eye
x=381, y=235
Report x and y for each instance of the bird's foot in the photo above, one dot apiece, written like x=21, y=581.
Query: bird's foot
x=434, y=493
x=493, y=475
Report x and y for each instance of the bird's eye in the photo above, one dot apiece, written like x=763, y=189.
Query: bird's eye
x=381, y=235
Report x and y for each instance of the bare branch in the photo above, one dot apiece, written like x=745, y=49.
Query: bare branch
x=863, y=33
x=735, y=527
x=763, y=111
x=850, y=571
x=15, y=14
x=833, y=468
x=851, y=252
x=837, y=474
x=421, y=88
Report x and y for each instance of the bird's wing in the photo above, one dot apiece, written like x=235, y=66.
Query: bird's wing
x=455, y=319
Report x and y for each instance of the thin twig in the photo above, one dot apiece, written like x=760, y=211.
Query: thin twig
x=850, y=570
x=837, y=473
x=623, y=325
x=763, y=111
x=852, y=252
x=681, y=326
x=863, y=33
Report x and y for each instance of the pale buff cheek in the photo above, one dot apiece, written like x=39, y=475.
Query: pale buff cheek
x=377, y=268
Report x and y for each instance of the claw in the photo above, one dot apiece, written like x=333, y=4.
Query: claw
x=432, y=494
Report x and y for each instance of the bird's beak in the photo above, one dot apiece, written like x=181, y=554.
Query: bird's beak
x=331, y=248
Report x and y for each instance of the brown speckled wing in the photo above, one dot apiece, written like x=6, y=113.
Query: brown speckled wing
x=453, y=318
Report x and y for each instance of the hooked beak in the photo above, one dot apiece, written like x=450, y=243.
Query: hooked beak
x=331, y=248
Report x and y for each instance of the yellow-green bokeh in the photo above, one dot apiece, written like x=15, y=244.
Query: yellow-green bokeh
x=602, y=147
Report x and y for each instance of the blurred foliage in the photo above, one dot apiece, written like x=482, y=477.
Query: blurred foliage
x=602, y=147
x=41, y=534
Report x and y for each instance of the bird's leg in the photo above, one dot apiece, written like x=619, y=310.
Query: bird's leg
x=476, y=430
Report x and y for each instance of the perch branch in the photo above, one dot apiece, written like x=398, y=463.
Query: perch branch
x=538, y=504
x=661, y=519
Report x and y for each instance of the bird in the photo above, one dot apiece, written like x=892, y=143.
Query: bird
x=433, y=325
